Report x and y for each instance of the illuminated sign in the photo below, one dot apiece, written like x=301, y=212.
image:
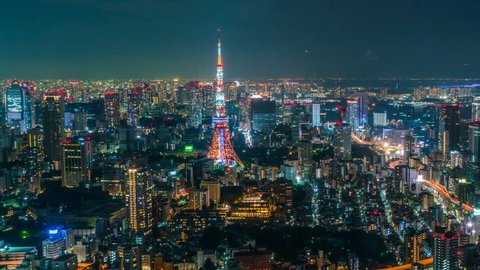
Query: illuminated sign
x=476, y=212
x=55, y=231
x=188, y=148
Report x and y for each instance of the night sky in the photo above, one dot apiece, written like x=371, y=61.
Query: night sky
x=103, y=39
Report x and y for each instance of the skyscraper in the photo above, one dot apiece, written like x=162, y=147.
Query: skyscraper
x=134, y=106
x=305, y=157
x=262, y=113
x=353, y=113
x=76, y=159
x=53, y=125
x=342, y=141
x=474, y=141
x=362, y=108
x=19, y=107
x=446, y=255
x=112, y=108
x=316, y=113
x=139, y=202
x=448, y=128
x=476, y=110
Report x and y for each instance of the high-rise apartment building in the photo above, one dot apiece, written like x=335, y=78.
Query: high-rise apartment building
x=139, y=202
x=446, y=255
x=414, y=242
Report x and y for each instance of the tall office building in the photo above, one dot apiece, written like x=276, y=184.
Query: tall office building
x=474, y=141
x=76, y=160
x=134, y=103
x=446, y=255
x=316, y=114
x=19, y=107
x=112, y=108
x=353, y=112
x=53, y=125
x=342, y=141
x=448, y=128
x=139, y=202
x=362, y=112
x=380, y=119
x=476, y=110
x=262, y=113
x=305, y=157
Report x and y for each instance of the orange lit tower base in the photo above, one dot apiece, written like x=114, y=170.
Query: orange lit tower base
x=221, y=149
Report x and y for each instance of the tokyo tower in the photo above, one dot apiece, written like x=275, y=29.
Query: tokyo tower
x=221, y=150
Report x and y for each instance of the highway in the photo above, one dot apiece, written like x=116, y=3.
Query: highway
x=439, y=188
x=444, y=193
x=357, y=140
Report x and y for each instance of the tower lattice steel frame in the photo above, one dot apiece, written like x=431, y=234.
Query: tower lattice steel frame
x=221, y=149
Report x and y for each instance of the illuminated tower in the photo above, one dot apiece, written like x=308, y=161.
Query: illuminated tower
x=221, y=149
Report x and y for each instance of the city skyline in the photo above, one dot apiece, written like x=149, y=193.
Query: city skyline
x=237, y=171
x=262, y=39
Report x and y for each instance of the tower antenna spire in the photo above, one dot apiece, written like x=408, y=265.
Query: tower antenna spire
x=219, y=45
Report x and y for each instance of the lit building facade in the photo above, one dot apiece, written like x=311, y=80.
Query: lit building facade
x=134, y=107
x=53, y=125
x=138, y=200
x=342, y=141
x=112, y=108
x=448, y=128
x=474, y=141
x=316, y=115
x=446, y=255
x=19, y=107
x=262, y=113
x=76, y=160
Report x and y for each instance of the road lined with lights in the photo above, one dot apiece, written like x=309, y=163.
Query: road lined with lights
x=356, y=139
x=444, y=192
x=439, y=188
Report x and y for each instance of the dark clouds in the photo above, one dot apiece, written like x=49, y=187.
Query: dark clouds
x=262, y=38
